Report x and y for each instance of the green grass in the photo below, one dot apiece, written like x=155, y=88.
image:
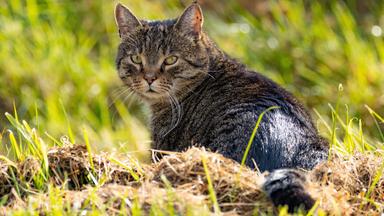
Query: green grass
x=249, y=145
x=57, y=70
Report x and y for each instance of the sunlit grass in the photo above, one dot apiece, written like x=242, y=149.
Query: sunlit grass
x=310, y=49
x=348, y=137
x=59, y=72
x=59, y=58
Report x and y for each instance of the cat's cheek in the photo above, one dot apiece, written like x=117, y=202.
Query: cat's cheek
x=123, y=73
x=128, y=82
x=174, y=70
x=127, y=71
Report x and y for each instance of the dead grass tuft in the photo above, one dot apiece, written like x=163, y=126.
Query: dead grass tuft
x=236, y=187
x=7, y=171
x=113, y=198
x=347, y=182
x=71, y=164
x=178, y=182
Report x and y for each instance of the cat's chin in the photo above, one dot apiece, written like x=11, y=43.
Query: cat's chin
x=151, y=96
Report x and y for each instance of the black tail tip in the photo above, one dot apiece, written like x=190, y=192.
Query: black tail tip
x=287, y=187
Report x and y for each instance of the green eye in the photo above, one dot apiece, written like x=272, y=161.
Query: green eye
x=170, y=60
x=136, y=59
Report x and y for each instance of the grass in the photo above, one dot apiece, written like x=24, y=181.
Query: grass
x=197, y=182
x=249, y=145
x=59, y=87
x=212, y=193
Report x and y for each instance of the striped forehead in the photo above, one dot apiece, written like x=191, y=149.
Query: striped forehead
x=156, y=40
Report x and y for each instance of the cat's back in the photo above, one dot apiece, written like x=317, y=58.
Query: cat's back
x=223, y=111
x=237, y=91
x=234, y=85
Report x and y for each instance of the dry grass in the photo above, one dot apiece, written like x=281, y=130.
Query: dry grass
x=114, y=198
x=351, y=184
x=178, y=182
x=236, y=187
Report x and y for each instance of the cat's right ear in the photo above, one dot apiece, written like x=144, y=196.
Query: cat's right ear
x=191, y=21
x=125, y=20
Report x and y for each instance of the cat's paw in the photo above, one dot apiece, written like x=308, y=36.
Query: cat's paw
x=287, y=187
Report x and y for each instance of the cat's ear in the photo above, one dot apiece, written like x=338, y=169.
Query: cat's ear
x=191, y=21
x=125, y=20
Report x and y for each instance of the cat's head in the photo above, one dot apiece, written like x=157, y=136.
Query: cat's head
x=157, y=59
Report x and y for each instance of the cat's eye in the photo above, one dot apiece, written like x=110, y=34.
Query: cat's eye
x=170, y=60
x=136, y=59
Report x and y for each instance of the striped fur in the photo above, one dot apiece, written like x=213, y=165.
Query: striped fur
x=209, y=99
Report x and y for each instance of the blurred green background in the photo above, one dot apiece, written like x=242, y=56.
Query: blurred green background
x=57, y=62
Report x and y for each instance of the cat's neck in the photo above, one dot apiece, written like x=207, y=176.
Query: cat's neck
x=214, y=53
x=219, y=62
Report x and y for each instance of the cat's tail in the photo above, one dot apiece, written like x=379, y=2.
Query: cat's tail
x=288, y=187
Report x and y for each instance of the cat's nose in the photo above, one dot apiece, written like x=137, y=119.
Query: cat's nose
x=150, y=78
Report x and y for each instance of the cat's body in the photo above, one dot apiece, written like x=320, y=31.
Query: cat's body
x=221, y=113
x=200, y=96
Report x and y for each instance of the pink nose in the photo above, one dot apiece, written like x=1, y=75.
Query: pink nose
x=150, y=78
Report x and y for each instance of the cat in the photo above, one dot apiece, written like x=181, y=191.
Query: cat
x=200, y=96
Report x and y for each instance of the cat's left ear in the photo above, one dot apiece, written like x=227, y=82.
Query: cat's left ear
x=191, y=21
x=125, y=20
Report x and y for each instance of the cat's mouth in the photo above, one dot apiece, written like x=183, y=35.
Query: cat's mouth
x=151, y=88
x=152, y=95
x=152, y=91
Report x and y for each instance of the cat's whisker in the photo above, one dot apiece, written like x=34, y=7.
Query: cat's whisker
x=189, y=90
x=173, y=103
x=178, y=109
x=132, y=99
x=214, y=71
x=126, y=98
x=121, y=91
x=211, y=76
x=172, y=113
x=165, y=88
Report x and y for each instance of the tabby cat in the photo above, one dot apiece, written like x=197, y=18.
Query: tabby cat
x=199, y=96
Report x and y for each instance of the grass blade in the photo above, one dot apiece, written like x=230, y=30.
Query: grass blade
x=88, y=145
x=254, y=133
x=211, y=190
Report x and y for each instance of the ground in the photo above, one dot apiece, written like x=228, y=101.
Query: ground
x=193, y=182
